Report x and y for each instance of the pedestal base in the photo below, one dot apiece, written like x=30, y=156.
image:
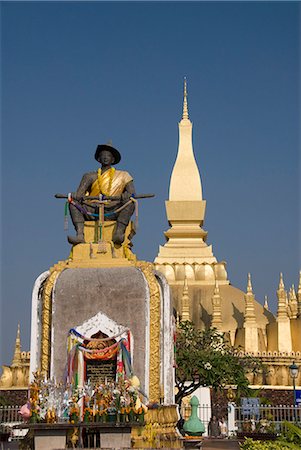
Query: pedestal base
x=99, y=248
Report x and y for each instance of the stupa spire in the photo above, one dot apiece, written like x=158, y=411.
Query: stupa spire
x=185, y=182
x=17, y=353
x=266, y=304
x=283, y=320
x=185, y=302
x=281, y=283
x=282, y=299
x=185, y=102
x=249, y=285
x=216, y=308
x=293, y=303
x=250, y=325
x=299, y=295
x=185, y=209
x=249, y=303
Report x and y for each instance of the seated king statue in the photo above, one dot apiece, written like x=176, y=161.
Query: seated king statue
x=105, y=181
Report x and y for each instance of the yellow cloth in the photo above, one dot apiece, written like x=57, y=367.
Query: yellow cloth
x=111, y=182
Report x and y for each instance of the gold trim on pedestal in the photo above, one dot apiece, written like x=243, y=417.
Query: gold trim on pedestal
x=154, y=341
x=46, y=316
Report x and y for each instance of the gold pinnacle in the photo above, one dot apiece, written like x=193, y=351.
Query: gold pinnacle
x=266, y=304
x=185, y=103
x=249, y=285
x=281, y=283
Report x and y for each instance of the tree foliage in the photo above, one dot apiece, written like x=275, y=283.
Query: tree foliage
x=206, y=358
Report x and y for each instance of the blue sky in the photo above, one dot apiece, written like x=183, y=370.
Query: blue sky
x=76, y=74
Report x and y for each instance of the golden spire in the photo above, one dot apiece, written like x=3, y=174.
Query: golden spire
x=299, y=295
x=266, y=304
x=293, y=303
x=249, y=285
x=185, y=182
x=185, y=302
x=17, y=353
x=185, y=103
x=281, y=283
x=216, y=308
x=250, y=325
x=216, y=288
x=185, y=207
x=249, y=303
x=282, y=298
x=293, y=293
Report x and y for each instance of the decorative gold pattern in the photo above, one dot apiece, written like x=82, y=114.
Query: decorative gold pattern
x=46, y=315
x=154, y=358
x=160, y=430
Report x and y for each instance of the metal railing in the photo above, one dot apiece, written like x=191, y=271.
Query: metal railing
x=267, y=418
x=9, y=416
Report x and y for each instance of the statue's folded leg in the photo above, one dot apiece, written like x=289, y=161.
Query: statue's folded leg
x=78, y=220
x=122, y=218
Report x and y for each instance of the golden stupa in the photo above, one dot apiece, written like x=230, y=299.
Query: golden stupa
x=201, y=289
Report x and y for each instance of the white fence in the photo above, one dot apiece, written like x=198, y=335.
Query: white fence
x=9, y=416
x=266, y=418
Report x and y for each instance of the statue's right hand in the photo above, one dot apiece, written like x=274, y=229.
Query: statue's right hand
x=76, y=197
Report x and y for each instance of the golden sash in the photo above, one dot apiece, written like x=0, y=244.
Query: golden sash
x=111, y=182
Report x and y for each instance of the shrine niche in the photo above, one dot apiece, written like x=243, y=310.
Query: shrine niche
x=100, y=359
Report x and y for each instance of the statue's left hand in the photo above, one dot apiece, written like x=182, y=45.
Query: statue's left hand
x=125, y=196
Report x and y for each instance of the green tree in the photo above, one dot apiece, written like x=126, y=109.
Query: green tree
x=206, y=358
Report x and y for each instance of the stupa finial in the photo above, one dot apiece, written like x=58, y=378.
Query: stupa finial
x=216, y=308
x=266, y=304
x=185, y=103
x=185, y=302
x=281, y=283
x=216, y=287
x=293, y=293
x=17, y=353
x=249, y=285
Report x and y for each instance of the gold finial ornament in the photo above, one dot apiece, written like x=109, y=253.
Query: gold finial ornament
x=185, y=102
x=216, y=288
x=249, y=303
x=216, y=321
x=17, y=353
x=185, y=302
x=249, y=285
x=293, y=293
x=293, y=303
x=282, y=299
x=266, y=304
x=281, y=283
x=230, y=395
x=299, y=295
x=283, y=319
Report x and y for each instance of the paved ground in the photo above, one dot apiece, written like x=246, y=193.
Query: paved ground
x=214, y=444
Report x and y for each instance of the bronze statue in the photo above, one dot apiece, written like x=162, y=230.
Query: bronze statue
x=109, y=182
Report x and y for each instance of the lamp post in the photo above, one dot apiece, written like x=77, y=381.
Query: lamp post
x=294, y=369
